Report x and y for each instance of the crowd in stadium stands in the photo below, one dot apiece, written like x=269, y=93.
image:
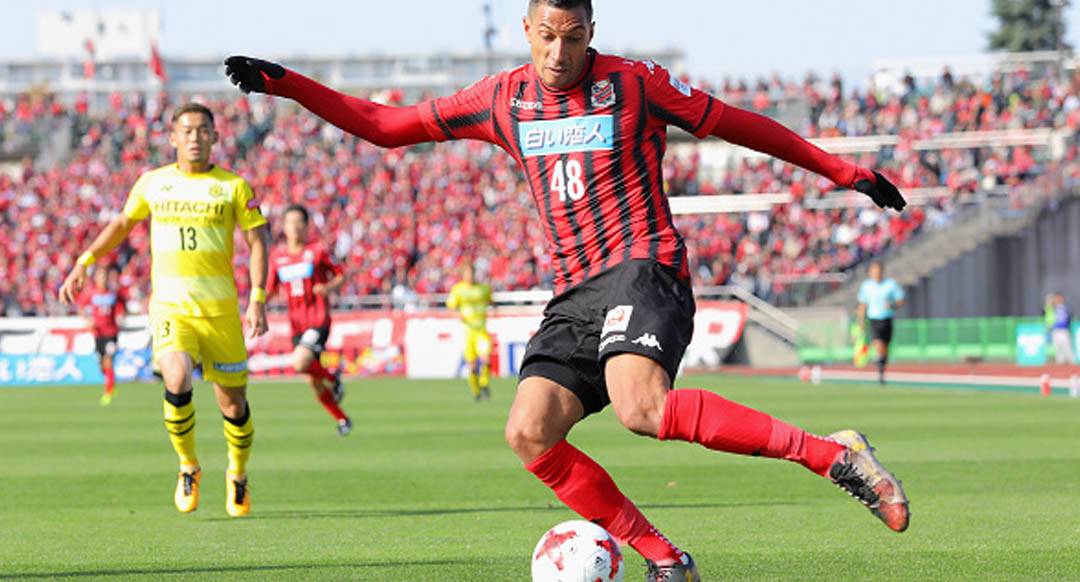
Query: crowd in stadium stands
x=403, y=220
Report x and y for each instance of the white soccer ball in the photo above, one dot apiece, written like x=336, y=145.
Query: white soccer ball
x=577, y=551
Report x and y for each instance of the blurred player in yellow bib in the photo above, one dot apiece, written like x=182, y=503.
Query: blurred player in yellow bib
x=194, y=208
x=471, y=300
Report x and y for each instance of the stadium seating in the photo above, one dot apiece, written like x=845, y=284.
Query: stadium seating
x=409, y=217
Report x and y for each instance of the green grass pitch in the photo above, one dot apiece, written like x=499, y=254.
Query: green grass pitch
x=425, y=488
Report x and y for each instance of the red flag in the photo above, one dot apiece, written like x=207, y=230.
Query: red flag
x=157, y=66
x=88, y=65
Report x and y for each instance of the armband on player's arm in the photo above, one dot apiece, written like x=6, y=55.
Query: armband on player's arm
x=762, y=134
x=379, y=124
x=86, y=259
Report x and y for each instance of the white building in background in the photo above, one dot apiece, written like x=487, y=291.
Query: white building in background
x=99, y=53
x=108, y=34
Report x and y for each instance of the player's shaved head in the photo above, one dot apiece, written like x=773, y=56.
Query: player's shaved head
x=564, y=5
x=559, y=34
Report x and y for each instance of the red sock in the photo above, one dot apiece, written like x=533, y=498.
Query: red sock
x=110, y=381
x=326, y=398
x=699, y=416
x=317, y=371
x=586, y=488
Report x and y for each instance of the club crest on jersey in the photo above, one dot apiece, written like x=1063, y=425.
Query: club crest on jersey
x=603, y=94
x=563, y=136
x=217, y=191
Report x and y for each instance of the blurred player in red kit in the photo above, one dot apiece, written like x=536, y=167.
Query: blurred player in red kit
x=308, y=274
x=101, y=303
x=589, y=131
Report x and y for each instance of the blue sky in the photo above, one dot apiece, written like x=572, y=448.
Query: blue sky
x=720, y=37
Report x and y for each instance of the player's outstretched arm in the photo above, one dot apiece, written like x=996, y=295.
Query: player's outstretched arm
x=762, y=134
x=379, y=124
x=114, y=233
x=258, y=240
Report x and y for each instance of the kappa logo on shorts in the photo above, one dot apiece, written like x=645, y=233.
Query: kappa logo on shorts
x=617, y=319
x=648, y=340
x=231, y=368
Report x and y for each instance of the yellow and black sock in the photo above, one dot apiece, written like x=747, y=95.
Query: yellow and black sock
x=239, y=434
x=485, y=375
x=474, y=382
x=180, y=424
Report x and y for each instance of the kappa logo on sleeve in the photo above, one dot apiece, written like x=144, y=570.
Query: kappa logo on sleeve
x=617, y=319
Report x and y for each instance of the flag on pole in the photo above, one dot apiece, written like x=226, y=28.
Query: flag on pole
x=157, y=66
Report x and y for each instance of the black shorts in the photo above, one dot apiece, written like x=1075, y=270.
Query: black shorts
x=881, y=329
x=313, y=338
x=639, y=307
x=105, y=345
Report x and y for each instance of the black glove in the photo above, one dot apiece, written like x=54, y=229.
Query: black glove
x=881, y=191
x=247, y=73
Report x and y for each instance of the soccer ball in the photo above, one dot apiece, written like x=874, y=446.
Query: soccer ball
x=577, y=551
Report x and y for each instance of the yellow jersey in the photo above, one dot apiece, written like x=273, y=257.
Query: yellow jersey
x=471, y=302
x=192, y=223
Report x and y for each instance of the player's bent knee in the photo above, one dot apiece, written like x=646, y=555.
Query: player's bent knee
x=528, y=439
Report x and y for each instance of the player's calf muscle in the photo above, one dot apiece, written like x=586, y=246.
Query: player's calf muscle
x=638, y=389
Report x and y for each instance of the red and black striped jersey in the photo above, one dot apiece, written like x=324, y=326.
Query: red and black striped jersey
x=592, y=155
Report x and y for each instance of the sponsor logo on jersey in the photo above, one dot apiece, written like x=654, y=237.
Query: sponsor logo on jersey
x=603, y=94
x=563, y=136
x=252, y=204
x=295, y=272
x=610, y=340
x=516, y=103
x=231, y=368
x=649, y=64
x=186, y=207
x=680, y=86
x=617, y=319
x=648, y=340
x=103, y=299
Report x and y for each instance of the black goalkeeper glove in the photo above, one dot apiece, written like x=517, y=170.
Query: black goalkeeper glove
x=247, y=73
x=880, y=190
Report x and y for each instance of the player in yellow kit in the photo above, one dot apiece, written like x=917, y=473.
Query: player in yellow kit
x=471, y=300
x=194, y=208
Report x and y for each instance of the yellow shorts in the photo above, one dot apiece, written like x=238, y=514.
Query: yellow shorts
x=217, y=342
x=477, y=344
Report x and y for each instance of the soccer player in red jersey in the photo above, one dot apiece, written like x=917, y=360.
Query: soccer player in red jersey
x=590, y=130
x=309, y=274
x=102, y=302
